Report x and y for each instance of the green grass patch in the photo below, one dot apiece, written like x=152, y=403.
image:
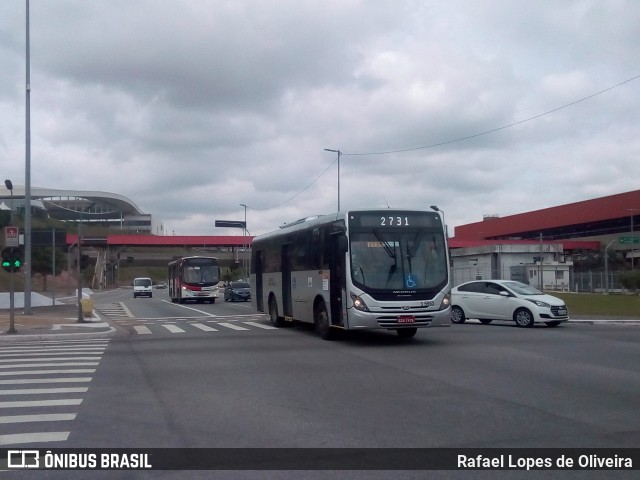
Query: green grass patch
x=597, y=304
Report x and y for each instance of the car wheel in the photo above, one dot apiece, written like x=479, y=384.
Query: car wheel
x=485, y=321
x=322, y=322
x=523, y=318
x=276, y=320
x=457, y=314
x=555, y=323
x=406, y=332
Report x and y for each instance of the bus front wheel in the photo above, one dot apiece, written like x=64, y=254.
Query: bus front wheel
x=322, y=322
x=406, y=332
x=276, y=321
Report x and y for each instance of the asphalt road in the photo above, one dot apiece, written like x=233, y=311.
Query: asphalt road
x=469, y=385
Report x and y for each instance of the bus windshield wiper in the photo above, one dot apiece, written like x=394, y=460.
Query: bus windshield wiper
x=391, y=251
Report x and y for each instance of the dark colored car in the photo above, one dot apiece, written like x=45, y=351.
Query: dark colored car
x=237, y=291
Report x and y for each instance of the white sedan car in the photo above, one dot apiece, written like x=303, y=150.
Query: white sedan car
x=489, y=300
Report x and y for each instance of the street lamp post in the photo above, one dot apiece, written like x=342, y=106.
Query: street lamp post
x=436, y=209
x=339, y=154
x=244, y=241
x=79, y=258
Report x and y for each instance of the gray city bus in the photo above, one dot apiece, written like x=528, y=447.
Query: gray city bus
x=361, y=269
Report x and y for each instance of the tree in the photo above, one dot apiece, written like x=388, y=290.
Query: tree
x=42, y=262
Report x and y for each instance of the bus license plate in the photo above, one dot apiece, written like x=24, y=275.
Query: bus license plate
x=406, y=319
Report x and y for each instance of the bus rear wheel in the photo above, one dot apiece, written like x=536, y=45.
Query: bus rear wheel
x=276, y=321
x=323, y=328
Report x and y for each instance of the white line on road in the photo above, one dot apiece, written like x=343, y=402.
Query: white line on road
x=40, y=437
x=29, y=381
x=41, y=403
x=44, y=391
x=49, y=359
x=44, y=417
x=204, y=328
x=142, y=330
x=173, y=328
x=261, y=325
x=191, y=308
x=232, y=326
x=61, y=364
x=47, y=372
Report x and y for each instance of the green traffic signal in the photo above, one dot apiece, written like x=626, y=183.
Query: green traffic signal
x=11, y=259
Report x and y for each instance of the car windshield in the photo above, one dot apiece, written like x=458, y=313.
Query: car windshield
x=142, y=282
x=239, y=285
x=523, y=289
x=398, y=260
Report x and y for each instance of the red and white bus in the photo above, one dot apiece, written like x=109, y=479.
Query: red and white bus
x=194, y=278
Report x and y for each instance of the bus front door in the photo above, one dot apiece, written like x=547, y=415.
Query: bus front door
x=259, y=288
x=337, y=286
x=287, y=304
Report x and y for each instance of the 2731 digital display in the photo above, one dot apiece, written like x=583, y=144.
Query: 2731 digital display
x=393, y=219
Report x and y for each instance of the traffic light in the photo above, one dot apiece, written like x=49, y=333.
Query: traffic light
x=11, y=259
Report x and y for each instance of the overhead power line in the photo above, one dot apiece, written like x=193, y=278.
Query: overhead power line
x=497, y=129
x=455, y=140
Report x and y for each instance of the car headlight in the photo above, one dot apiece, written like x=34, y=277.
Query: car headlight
x=358, y=303
x=539, y=303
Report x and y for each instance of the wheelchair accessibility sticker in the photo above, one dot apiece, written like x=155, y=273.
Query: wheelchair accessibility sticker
x=410, y=281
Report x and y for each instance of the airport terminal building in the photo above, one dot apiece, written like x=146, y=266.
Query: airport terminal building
x=109, y=210
x=539, y=247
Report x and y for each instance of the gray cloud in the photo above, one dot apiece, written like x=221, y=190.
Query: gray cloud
x=191, y=108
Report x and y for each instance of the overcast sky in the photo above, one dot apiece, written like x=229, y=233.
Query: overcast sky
x=192, y=107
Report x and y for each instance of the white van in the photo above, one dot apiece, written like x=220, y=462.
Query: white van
x=142, y=287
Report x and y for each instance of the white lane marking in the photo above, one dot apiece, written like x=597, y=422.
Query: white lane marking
x=50, y=359
x=44, y=417
x=173, y=328
x=41, y=403
x=29, y=381
x=42, y=354
x=261, y=325
x=191, y=308
x=41, y=372
x=60, y=364
x=40, y=437
x=232, y=326
x=142, y=330
x=128, y=312
x=44, y=391
x=52, y=349
x=204, y=328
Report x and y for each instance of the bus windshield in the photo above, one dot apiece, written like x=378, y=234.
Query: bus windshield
x=398, y=260
x=200, y=272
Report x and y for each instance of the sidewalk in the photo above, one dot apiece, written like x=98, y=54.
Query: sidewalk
x=58, y=321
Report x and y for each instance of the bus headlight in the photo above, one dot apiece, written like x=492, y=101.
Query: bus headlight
x=446, y=301
x=358, y=303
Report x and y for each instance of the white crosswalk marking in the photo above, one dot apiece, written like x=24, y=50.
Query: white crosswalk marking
x=239, y=323
x=38, y=394
x=45, y=417
x=142, y=330
x=261, y=325
x=232, y=326
x=39, y=437
x=204, y=328
x=41, y=403
x=173, y=328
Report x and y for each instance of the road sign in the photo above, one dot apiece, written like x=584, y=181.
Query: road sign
x=11, y=237
x=230, y=223
x=629, y=240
